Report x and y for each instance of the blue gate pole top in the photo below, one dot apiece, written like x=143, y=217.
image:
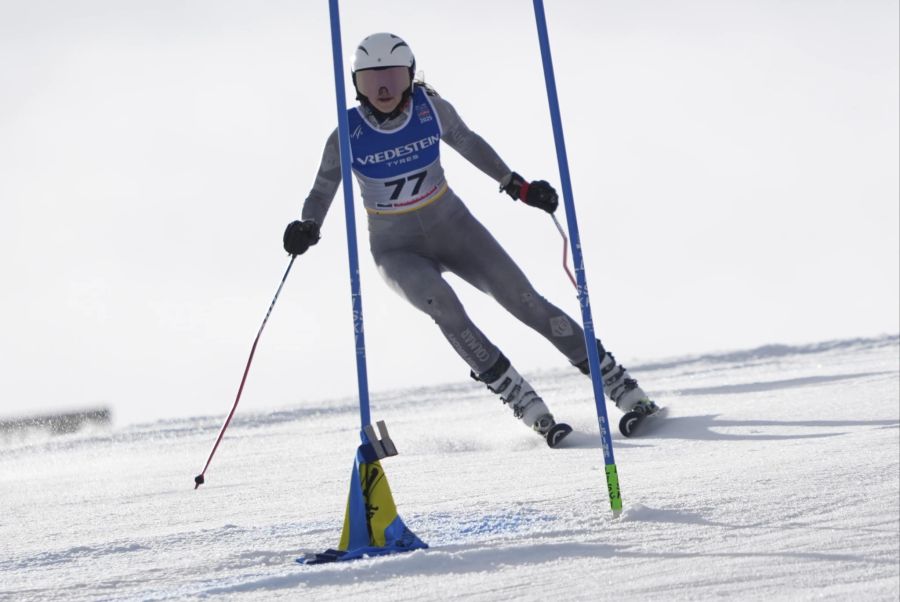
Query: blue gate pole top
x=574, y=238
x=346, y=179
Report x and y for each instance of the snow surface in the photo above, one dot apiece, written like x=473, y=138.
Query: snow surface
x=775, y=477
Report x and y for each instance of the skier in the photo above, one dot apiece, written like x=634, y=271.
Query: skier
x=418, y=228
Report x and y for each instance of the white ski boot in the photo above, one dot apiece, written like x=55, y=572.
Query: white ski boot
x=514, y=391
x=618, y=385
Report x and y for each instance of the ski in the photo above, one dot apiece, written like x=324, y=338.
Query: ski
x=557, y=433
x=637, y=422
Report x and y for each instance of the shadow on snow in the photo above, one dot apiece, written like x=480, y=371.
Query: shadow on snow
x=706, y=428
x=756, y=387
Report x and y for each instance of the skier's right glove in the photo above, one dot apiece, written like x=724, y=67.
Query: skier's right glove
x=300, y=236
x=538, y=194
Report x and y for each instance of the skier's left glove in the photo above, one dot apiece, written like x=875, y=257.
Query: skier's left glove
x=538, y=194
x=299, y=236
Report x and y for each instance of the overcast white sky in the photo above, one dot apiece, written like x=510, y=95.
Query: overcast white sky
x=735, y=168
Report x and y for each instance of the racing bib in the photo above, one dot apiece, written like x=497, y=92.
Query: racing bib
x=398, y=170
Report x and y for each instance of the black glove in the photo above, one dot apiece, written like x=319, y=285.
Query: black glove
x=538, y=194
x=299, y=236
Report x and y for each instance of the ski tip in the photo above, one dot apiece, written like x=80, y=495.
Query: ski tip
x=557, y=433
x=629, y=423
x=198, y=480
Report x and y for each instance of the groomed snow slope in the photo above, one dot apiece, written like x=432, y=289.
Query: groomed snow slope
x=775, y=477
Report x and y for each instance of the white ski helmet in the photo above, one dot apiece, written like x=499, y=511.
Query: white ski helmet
x=381, y=50
x=379, y=55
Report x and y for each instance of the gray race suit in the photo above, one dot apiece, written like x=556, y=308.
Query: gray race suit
x=413, y=248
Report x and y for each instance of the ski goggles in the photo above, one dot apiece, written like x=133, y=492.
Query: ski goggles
x=384, y=82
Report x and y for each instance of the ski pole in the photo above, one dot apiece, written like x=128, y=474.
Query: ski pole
x=565, y=251
x=612, y=476
x=199, y=479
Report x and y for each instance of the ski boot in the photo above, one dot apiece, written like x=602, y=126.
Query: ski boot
x=623, y=390
x=514, y=391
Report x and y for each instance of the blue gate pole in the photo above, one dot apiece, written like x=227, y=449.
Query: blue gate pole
x=612, y=478
x=347, y=185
